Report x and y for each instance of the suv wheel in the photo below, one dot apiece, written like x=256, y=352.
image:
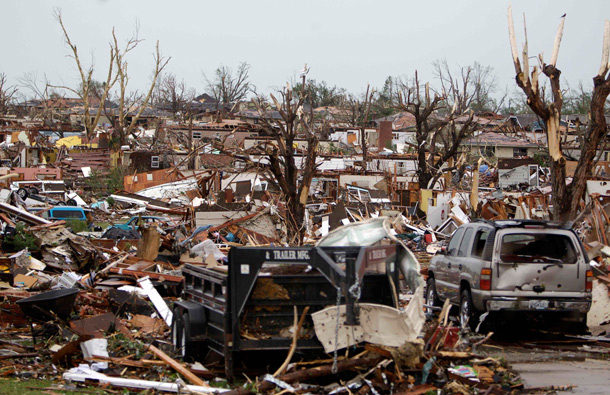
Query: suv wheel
x=468, y=315
x=431, y=295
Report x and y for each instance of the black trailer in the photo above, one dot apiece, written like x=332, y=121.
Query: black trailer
x=250, y=305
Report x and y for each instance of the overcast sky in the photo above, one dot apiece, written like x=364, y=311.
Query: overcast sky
x=346, y=43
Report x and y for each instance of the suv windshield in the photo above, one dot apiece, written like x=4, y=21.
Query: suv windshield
x=537, y=248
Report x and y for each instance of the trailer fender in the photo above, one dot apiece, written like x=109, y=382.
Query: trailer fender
x=196, y=314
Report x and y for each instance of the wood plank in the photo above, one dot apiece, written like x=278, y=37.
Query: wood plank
x=192, y=378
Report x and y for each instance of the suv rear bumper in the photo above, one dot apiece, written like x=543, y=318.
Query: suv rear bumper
x=528, y=304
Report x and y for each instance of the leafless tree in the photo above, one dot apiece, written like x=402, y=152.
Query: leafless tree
x=277, y=157
x=41, y=92
x=471, y=89
x=131, y=106
x=294, y=182
x=566, y=198
x=438, y=138
x=84, y=91
x=228, y=87
x=174, y=95
x=358, y=111
x=6, y=94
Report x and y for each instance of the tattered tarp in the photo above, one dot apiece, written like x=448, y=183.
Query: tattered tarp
x=379, y=324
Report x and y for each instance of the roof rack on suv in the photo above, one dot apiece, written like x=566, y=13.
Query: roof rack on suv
x=520, y=223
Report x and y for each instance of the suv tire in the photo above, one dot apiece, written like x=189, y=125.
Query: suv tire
x=468, y=315
x=431, y=295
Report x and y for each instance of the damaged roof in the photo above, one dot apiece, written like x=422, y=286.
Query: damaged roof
x=498, y=140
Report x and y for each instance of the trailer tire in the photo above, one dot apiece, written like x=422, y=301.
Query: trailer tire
x=177, y=330
x=187, y=349
x=71, y=202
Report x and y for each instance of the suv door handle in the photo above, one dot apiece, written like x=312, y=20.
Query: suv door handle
x=449, y=265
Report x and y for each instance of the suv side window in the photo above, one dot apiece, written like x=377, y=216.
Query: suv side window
x=480, y=239
x=466, y=242
x=452, y=248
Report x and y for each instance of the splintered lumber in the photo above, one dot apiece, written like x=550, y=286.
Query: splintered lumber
x=51, y=225
x=295, y=337
x=148, y=245
x=308, y=374
x=190, y=376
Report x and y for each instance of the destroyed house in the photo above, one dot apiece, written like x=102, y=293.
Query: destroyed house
x=143, y=161
x=499, y=145
x=518, y=173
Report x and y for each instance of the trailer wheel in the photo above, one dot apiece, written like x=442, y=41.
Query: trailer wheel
x=186, y=341
x=71, y=202
x=177, y=330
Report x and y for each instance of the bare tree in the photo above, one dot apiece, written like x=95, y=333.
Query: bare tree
x=294, y=182
x=566, y=198
x=277, y=157
x=131, y=106
x=174, y=95
x=438, y=138
x=84, y=91
x=6, y=94
x=359, y=111
x=227, y=87
x=472, y=89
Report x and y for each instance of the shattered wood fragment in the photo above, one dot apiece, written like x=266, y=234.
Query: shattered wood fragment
x=148, y=245
x=65, y=354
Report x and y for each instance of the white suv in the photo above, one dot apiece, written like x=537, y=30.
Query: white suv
x=513, y=266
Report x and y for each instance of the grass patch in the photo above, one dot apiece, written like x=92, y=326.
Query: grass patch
x=38, y=387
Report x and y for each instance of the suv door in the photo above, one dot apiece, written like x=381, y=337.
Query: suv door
x=444, y=263
x=457, y=263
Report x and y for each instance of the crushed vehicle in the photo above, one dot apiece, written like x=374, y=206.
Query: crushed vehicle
x=513, y=267
x=68, y=213
x=247, y=306
x=51, y=191
x=135, y=221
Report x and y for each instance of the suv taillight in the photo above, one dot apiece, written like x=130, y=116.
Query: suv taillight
x=589, y=283
x=485, y=281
